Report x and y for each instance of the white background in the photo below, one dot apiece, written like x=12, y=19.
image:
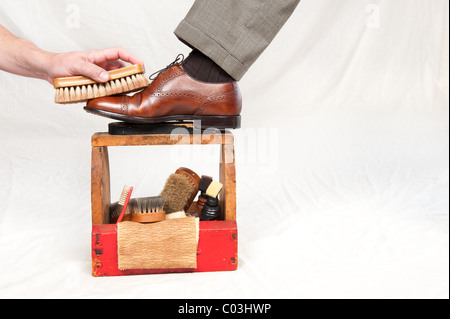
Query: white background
x=342, y=160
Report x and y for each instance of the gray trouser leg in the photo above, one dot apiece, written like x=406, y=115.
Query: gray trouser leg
x=234, y=33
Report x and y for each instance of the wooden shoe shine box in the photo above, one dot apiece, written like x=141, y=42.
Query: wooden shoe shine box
x=217, y=240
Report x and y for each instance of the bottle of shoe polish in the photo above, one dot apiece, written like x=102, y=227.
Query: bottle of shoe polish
x=201, y=200
x=211, y=209
x=203, y=186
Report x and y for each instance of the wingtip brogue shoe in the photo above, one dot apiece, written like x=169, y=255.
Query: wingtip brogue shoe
x=173, y=95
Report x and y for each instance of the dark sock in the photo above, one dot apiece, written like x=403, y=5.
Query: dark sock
x=202, y=68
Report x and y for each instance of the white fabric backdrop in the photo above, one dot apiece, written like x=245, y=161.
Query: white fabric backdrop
x=342, y=159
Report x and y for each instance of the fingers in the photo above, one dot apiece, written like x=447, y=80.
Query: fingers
x=107, y=60
x=92, y=64
x=115, y=54
x=94, y=72
x=114, y=65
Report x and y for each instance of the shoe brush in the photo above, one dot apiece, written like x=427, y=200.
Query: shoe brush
x=210, y=209
x=147, y=210
x=123, y=202
x=80, y=89
x=214, y=189
x=180, y=190
x=195, y=179
x=115, y=209
x=141, y=210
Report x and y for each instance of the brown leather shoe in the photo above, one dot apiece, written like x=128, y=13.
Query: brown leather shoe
x=175, y=96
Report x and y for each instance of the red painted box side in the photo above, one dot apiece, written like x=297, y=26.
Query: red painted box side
x=217, y=250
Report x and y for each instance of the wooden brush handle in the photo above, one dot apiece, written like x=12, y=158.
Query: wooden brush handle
x=186, y=171
x=113, y=75
x=148, y=218
x=195, y=180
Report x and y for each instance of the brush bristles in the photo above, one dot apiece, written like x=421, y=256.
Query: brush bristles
x=88, y=92
x=123, y=196
x=115, y=210
x=214, y=189
x=205, y=181
x=177, y=190
x=147, y=205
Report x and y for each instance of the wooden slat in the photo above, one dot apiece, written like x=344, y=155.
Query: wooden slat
x=100, y=186
x=105, y=139
x=227, y=175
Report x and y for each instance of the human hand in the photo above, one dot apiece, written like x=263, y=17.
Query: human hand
x=93, y=64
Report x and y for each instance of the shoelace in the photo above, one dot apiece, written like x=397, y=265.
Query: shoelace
x=179, y=59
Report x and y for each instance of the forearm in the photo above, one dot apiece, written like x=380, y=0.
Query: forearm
x=21, y=57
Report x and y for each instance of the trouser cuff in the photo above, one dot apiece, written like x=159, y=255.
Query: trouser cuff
x=194, y=37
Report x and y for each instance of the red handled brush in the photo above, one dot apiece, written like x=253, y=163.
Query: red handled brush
x=124, y=200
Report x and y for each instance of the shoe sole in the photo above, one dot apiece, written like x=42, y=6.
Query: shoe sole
x=200, y=122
